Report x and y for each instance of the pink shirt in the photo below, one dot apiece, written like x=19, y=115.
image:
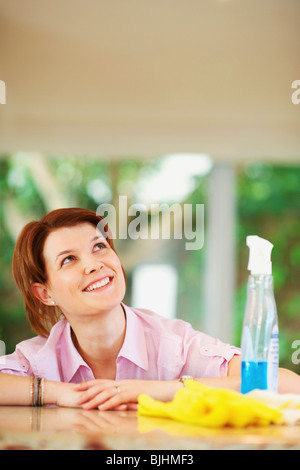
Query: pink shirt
x=154, y=348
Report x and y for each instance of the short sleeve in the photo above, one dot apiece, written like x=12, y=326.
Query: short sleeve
x=15, y=364
x=208, y=357
x=216, y=357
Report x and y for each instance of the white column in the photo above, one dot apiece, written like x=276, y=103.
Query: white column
x=220, y=254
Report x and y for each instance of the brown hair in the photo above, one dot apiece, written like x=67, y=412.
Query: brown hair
x=29, y=263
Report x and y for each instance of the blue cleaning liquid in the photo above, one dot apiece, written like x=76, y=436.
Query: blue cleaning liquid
x=254, y=376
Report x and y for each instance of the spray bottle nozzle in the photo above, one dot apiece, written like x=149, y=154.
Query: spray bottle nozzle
x=260, y=255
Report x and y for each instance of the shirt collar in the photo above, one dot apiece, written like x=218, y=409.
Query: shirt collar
x=71, y=360
x=134, y=347
x=58, y=356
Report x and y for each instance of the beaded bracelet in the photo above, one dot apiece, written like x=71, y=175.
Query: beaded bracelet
x=37, y=391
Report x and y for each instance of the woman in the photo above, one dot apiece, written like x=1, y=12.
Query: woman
x=91, y=349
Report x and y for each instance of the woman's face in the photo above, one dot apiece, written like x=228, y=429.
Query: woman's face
x=85, y=275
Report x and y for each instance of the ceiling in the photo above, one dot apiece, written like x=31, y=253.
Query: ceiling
x=145, y=78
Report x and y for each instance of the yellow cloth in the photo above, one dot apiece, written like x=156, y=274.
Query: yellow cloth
x=211, y=407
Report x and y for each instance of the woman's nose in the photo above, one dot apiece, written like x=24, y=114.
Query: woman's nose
x=90, y=264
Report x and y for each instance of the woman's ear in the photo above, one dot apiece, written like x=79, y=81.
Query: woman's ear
x=41, y=292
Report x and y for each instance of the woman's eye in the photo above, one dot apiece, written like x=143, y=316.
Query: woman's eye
x=67, y=259
x=99, y=246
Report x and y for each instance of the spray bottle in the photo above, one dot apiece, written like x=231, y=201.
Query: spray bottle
x=260, y=341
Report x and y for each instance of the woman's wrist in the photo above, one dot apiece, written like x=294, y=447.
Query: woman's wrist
x=51, y=392
x=61, y=394
x=168, y=388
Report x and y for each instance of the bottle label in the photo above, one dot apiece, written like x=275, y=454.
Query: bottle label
x=273, y=360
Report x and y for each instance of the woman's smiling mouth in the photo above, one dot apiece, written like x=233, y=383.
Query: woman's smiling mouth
x=98, y=284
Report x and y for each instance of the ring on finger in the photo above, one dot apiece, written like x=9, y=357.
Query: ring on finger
x=117, y=388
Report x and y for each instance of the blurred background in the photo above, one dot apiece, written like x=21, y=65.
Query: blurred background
x=166, y=101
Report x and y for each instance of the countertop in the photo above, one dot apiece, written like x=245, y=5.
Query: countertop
x=53, y=428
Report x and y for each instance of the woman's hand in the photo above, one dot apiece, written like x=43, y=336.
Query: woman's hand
x=61, y=394
x=123, y=394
